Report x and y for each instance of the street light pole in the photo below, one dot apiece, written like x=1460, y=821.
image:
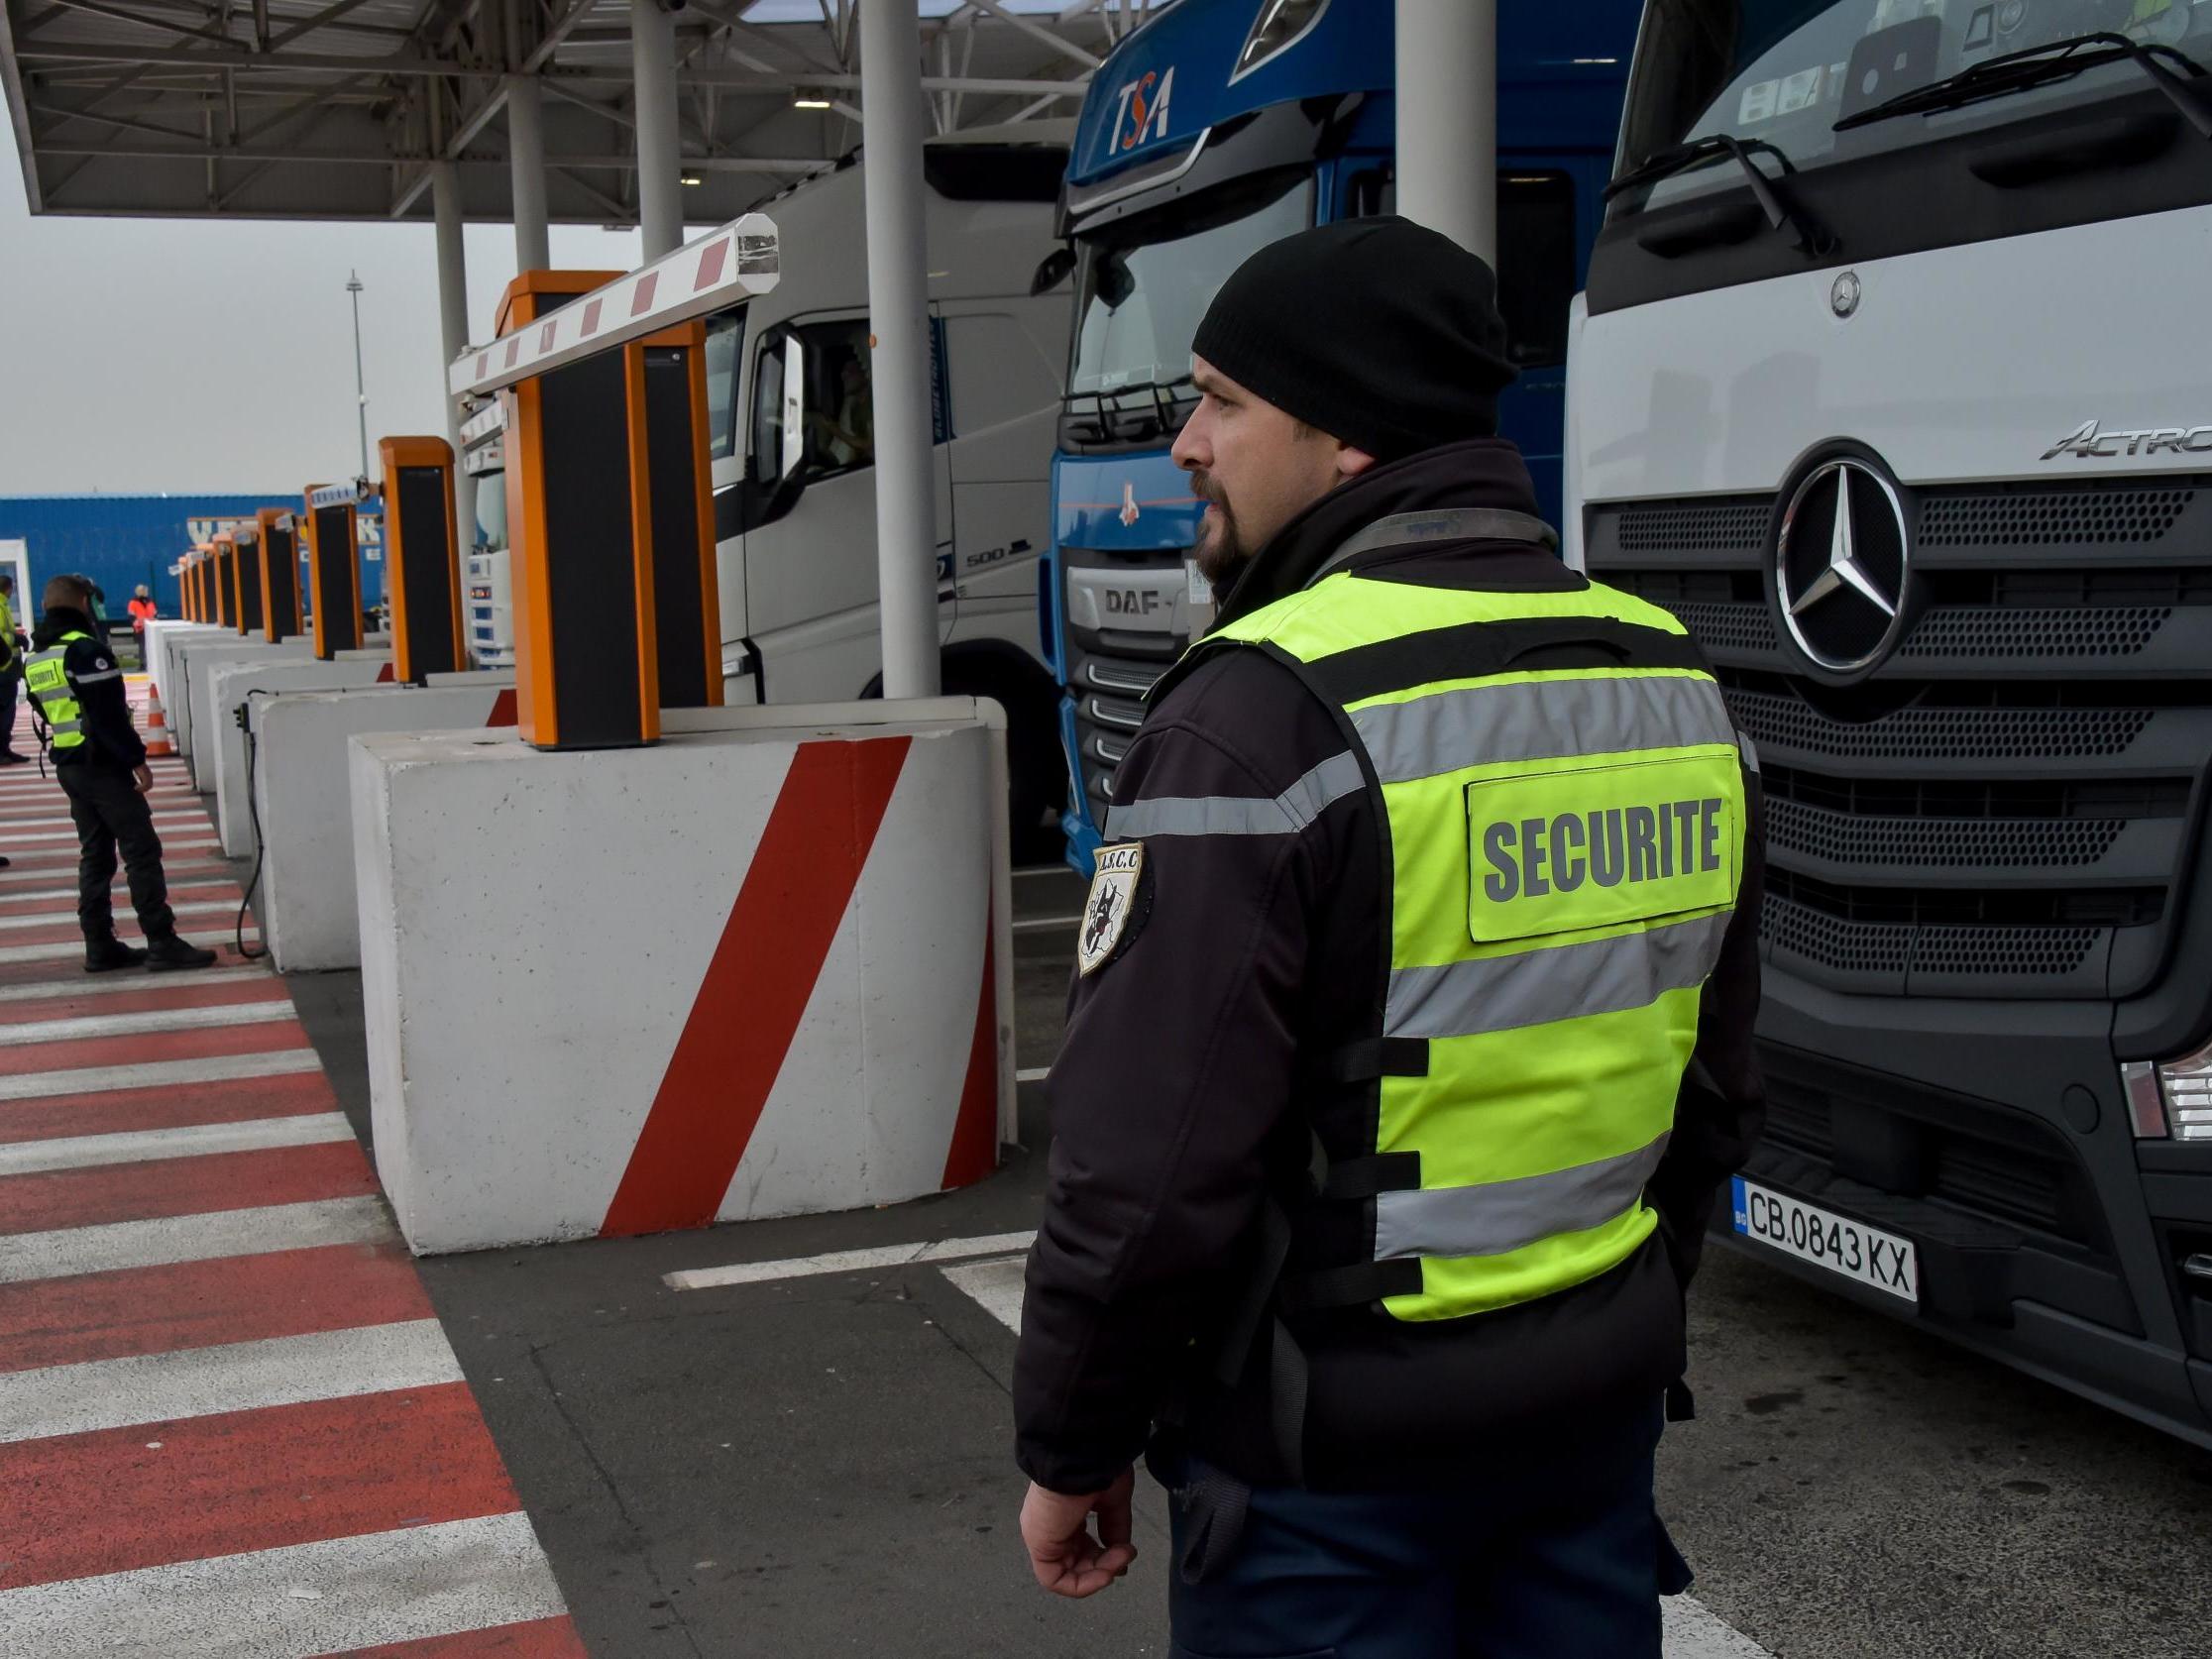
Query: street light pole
x=361, y=396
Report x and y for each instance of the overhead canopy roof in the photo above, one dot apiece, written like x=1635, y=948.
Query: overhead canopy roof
x=335, y=109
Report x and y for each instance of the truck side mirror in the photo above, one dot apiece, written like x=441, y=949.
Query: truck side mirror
x=1052, y=271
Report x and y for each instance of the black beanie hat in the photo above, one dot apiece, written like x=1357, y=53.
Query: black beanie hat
x=1380, y=332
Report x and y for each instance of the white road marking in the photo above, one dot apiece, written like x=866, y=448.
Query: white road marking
x=199, y=1140
x=213, y=1069
x=38, y=830
x=149, y=1021
x=1043, y=924
x=191, y=1238
x=105, y=984
x=60, y=950
x=845, y=1262
x=182, y=872
x=997, y=1284
x=1695, y=1631
x=331, y=1597
x=235, y=1376
x=49, y=919
x=1033, y=1074
x=120, y=887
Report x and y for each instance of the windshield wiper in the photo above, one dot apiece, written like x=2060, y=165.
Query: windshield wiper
x=2053, y=60
x=1811, y=238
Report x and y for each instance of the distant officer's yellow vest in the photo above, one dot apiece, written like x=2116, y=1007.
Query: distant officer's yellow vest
x=48, y=685
x=1561, y=794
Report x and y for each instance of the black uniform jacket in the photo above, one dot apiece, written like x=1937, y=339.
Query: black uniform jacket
x=111, y=739
x=1183, y=1093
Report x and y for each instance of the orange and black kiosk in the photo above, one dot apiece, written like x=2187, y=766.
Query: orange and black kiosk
x=612, y=529
x=224, y=551
x=246, y=578
x=333, y=568
x=280, y=576
x=422, y=558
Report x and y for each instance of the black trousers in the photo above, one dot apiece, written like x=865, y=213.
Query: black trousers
x=110, y=815
x=9, y=681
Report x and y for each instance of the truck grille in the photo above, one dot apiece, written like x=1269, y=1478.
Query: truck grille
x=2003, y=808
x=1128, y=616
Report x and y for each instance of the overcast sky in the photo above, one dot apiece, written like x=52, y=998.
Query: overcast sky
x=142, y=356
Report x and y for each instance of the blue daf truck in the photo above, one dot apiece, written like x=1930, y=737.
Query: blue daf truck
x=1219, y=126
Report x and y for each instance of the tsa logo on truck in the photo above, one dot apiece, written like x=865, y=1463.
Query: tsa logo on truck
x=1139, y=105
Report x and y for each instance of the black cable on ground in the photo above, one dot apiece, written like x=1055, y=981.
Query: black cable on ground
x=253, y=813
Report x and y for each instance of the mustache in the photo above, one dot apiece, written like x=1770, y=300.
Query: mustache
x=1202, y=487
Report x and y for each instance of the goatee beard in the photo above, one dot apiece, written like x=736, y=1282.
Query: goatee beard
x=1220, y=555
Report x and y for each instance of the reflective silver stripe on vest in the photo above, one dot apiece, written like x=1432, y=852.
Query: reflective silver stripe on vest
x=96, y=679
x=1563, y=982
x=1499, y=1216
x=1239, y=815
x=1476, y=725
x=1408, y=529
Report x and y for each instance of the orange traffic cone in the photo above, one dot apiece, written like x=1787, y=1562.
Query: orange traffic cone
x=157, y=727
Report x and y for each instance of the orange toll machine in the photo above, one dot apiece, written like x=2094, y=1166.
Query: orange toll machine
x=279, y=567
x=222, y=560
x=422, y=557
x=333, y=567
x=609, y=510
x=246, y=578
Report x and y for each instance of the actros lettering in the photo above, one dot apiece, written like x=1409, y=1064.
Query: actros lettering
x=2087, y=443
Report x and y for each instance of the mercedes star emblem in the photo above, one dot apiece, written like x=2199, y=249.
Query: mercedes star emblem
x=1841, y=563
x=1843, y=293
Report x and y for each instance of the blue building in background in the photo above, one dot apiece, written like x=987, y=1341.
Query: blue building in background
x=120, y=541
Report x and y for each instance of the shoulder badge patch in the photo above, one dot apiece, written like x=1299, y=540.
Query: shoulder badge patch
x=1111, y=911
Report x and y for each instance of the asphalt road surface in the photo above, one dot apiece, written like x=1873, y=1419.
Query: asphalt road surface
x=816, y=1461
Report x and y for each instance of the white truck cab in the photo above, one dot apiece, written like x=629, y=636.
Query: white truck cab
x=793, y=430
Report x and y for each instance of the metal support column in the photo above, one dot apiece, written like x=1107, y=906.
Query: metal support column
x=525, y=116
x=453, y=326
x=898, y=316
x=660, y=158
x=1447, y=119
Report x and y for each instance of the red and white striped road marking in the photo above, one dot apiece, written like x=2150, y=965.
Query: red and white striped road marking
x=229, y=1420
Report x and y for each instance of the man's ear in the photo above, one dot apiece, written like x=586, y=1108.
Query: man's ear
x=1350, y=462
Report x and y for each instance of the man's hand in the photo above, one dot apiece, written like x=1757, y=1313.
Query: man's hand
x=1066, y=1557
x=143, y=776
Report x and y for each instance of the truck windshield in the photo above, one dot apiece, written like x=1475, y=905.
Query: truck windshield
x=1784, y=73
x=1147, y=281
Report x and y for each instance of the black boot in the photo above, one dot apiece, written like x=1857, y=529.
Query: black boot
x=169, y=953
x=107, y=954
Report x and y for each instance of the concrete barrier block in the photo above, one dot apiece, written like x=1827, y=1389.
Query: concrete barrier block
x=309, y=915
x=229, y=685
x=762, y=968
x=198, y=658
x=168, y=671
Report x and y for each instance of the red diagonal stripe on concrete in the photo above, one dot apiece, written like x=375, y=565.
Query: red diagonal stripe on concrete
x=540, y=1638
x=147, y=1047
x=165, y=1106
x=80, y=1505
x=974, y=1149
x=763, y=971
x=206, y=1304
x=503, y=709
x=169, y=1186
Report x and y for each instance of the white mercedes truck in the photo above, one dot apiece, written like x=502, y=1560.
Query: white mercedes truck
x=1892, y=381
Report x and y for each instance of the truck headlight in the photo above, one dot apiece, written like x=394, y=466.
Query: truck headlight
x=2170, y=1097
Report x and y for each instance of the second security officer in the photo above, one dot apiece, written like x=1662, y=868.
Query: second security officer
x=1411, y=1036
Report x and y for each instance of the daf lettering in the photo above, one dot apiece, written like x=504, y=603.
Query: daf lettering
x=1131, y=601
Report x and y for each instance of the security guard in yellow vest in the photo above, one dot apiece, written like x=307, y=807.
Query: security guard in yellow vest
x=1410, y=1037
x=76, y=687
